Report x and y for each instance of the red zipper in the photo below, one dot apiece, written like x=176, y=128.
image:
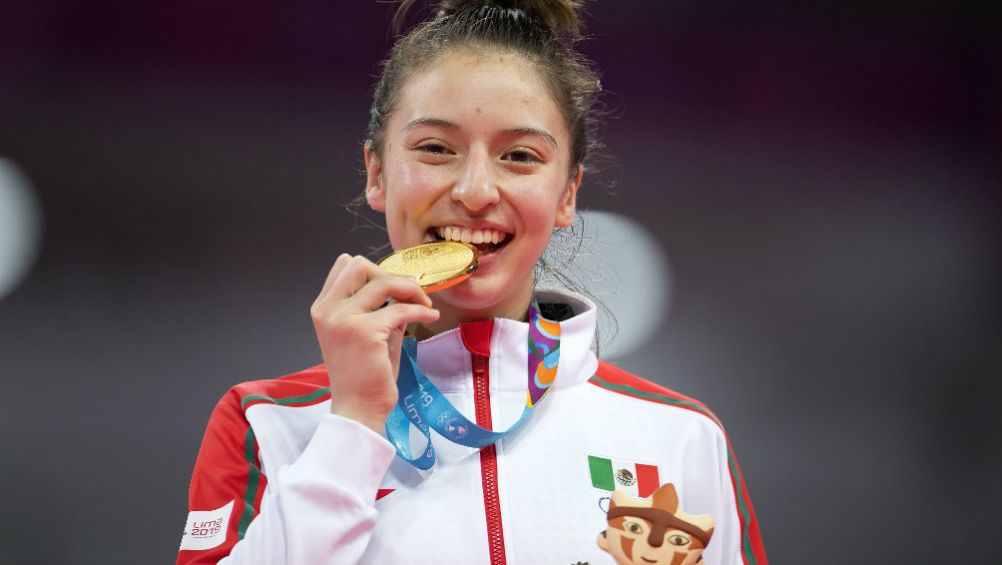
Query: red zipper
x=488, y=460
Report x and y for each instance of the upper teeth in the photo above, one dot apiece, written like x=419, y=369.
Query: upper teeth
x=466, y=235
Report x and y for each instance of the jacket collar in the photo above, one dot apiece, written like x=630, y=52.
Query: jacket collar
x=448, y=362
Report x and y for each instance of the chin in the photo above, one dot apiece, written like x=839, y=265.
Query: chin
x=484, y=297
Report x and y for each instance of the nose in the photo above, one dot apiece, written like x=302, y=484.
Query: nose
x=477, y=188
x=657, y=536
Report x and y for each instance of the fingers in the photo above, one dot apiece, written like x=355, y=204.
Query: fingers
x=376, y=292
x=356, y=285
x=353, y=274
x=399, y=314
x=356, y=273
x=339, y=265
x=350, y=274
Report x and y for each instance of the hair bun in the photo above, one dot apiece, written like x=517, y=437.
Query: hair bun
x=561, y=16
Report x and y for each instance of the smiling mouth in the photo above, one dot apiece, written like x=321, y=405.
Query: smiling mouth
x=485, y=240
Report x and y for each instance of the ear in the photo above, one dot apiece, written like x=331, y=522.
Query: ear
x=666, y=498
x=603, y=543
x=568, y=200
x=375, y=191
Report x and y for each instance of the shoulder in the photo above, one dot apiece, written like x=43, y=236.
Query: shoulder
x=302, y=388
x=618, y=381
x=229, y=418
x=745, y=537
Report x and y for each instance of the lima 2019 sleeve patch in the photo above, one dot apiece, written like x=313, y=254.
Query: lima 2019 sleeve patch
x=206, y=529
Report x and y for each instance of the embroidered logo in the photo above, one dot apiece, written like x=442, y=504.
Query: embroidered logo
x=206, y=529
x=654, y=529
x=638, y=479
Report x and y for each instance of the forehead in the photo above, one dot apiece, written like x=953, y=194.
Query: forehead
x=479, y=89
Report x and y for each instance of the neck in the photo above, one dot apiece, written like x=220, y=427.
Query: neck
x=451, y=316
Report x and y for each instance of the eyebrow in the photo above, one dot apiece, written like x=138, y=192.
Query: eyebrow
x=437, y=122
x=434, y=122
x=532, y=131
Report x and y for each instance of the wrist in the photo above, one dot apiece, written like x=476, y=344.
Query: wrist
x=375, y=420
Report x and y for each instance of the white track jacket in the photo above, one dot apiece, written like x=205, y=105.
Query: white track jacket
x=610, y=469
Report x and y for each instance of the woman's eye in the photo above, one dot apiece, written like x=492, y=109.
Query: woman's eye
x=678, y=540
x=434, y=149
x=521, y=156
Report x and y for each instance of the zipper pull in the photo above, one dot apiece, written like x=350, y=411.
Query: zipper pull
x=479, y=366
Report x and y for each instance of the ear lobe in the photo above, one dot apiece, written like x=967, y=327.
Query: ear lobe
x=375, y=197
x=568, y=201
x=375, y=192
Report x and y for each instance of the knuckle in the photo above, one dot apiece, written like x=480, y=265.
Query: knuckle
x=328, y=318
x=320, y=311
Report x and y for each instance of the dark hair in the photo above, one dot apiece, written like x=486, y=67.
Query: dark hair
x=540, y=31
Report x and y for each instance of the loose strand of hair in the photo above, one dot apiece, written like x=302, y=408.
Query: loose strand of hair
x=560, y=16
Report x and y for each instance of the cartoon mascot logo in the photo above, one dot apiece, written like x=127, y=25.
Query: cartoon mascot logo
x=654, y=530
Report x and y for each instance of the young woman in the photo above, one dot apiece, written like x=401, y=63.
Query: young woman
x=478, y=134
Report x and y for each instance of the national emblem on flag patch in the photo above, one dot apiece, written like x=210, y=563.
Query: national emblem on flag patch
x=638, y=479
x=625, y=477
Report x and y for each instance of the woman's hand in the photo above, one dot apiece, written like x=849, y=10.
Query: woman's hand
x=360, y=337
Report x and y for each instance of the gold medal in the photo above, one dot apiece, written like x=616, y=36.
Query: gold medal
x=435, y=265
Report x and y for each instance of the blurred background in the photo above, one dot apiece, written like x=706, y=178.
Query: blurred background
x=817, y=185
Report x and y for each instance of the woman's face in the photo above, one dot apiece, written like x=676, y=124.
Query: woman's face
x=476, y=150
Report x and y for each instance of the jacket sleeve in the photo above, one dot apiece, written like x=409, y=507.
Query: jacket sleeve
x=740, y=541
x=318, y=510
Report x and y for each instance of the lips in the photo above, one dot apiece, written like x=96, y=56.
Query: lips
x=486, y=240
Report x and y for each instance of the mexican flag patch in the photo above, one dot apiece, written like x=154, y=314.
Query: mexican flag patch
x=638, y=479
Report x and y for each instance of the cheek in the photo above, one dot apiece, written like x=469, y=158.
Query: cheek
x=411, y=191
x=538, y=205
x=627, y=546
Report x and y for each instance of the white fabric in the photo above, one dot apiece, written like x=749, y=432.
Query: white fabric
x=323, y=471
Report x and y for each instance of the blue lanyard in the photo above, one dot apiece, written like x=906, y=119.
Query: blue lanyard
x=421, y=403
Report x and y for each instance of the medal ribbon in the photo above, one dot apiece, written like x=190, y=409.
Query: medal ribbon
x=421, y=404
